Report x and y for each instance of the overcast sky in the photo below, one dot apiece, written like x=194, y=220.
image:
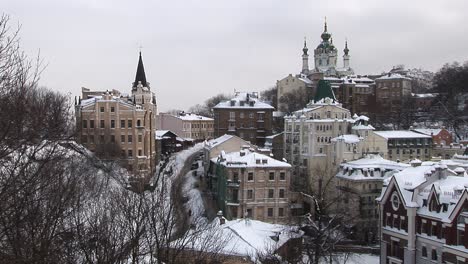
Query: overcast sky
x=193, y=50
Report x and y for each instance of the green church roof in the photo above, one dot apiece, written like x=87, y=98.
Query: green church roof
x=324, y=90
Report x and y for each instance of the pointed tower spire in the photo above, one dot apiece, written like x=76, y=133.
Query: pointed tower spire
x=346, y=50
x=140, y=74
x=305, y=59
x=346, y=56
x=305, y=49
x=325, y=26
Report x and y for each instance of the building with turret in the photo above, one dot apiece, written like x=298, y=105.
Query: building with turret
x=121, y=127
x=325, y=66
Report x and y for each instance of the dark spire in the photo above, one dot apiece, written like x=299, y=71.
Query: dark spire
x=140, y=74
x=325, y=35
x=305, y=49
x=346, y=50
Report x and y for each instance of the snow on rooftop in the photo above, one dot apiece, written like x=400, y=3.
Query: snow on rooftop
x=247, y=158
x=350, y=139
x=428, y=131
x=400, y=134
x=246, y=237
x=218, y=141
x=372, y=166
x=392, y=76
x=193, y=117
x=244, y=100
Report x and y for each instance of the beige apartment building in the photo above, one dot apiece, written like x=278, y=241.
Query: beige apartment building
x=120, y=127
x=187, y=125
x=252, y=185
x=359, y=183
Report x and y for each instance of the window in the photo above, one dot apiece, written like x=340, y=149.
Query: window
x=241, y=114
x=85, y=124
x=113, y=138
x=91, y=138
x=112, y=109
x=138, y=123
x=122, y=138
x=249, y=212
x=102, y=124
x=130, y=153
x=249, y=194
x=434, y=254
x=232, y=115
x=424, y=252
x=101, y=139
x=281, y=193
x=102, y=109
x=129, y=138
x=270, y=212
x=280, y=212
x=395, y=201
x=91, y=123
x=250, y=176
x=140, y=153
x=460, y=237
x=140, y=138
x=112, y=123
x=271, y=193
x=251, y=115
x=122, y=123
x=282, y=176
x=271, y=176
x=122, y=153
x=129, y=123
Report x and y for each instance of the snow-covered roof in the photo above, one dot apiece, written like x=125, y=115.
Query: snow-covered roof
x=244, y=101
x=391, y=76
x=416, y=183
x=428, y=131
x=425, y=95
x=248, y=159
x=350, y=139
x=362, y=127
x=245, y=237
x=400, y=134
x=193, y=117
x=218, y=141
x=305, y=79
x=361, y=169
x=160, y=134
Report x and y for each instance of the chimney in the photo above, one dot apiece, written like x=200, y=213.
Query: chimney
x=221, y=218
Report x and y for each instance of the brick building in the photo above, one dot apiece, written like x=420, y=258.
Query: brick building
x=424, y=215
x=244, y=116
x=440, y=136
x=390, y=92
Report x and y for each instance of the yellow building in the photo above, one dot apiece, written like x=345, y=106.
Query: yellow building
x=120, y=127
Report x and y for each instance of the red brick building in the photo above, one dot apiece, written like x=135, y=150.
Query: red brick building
x=244, y=116
x=439, y=135
x=424, y=215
